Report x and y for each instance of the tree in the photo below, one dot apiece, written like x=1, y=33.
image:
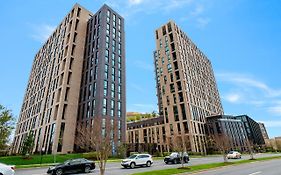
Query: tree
x=101, y=137
x=6, y=126
x=250, y=146
x=221, y=142
x=180, y=144
x=28, y=144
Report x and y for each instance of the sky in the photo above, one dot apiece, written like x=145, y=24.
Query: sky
x=242, y=39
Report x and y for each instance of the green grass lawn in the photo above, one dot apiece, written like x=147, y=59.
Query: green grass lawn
x=47, y=160
x=36, y=159
x=201, y=167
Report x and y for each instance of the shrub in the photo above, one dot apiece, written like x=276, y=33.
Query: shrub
x=90, y=155
x=131, y=153
x=166, y=153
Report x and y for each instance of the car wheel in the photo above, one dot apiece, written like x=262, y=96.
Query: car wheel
x=148, y=163
x=87, y=169
x=59, y=172
x=175, y=161
x=186, y=160
x=132, y=165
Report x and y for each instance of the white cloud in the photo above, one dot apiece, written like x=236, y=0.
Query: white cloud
x=247, y=81
x=197, y=11
x=271, y=124
x=142, y=108
x=233, y=98
x=130, y=8
x=202, y=22
x=137, y=87
x=143, y=65
x=135, y=2
x=246, y=89
x=275, y=109
x=42, y=32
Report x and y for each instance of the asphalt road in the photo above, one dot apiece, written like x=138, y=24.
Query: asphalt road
x=117, y=169
x=271, y=167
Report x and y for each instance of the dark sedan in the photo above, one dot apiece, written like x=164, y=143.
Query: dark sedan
x=176, y=158
x=72, y=166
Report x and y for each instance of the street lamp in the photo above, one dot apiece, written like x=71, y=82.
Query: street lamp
x=42, y=150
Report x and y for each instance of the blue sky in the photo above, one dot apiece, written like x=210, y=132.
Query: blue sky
x=242, y=39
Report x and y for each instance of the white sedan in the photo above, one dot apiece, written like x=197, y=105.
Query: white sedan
x=7, y=169
x=234, y=155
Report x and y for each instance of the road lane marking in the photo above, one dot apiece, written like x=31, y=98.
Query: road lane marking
x=258, y=172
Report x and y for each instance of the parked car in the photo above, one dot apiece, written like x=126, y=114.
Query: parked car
x=72, y=166
x=7, y=169
x=137, y=160
x=176, y=157
x=233, y=155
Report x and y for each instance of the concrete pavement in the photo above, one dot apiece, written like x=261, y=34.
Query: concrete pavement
x=270, y=167
x=116, y=168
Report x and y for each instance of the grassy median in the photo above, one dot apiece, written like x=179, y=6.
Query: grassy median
x=47, y=160
x=202, y=167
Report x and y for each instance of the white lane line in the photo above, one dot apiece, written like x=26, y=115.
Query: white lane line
x=255, y=173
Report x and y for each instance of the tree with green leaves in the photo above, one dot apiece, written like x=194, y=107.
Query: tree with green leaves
x=28, y=144
x=6, y=126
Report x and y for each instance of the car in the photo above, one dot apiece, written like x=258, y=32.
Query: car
x=176, y=157
x=233, y=155
x=72, y=166
x=7, y=169
x=137, y=160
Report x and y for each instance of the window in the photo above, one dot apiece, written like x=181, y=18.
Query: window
x=113, y=45
x=119, y=36
x=105, y=85
x=114, y=32
x=104, y=111
x=107, y=29
x=106, y=55
x=76, y=24
x=119, y=23
x=113, y=59
x=108, y=16
x=78, y=11
x=107, y=42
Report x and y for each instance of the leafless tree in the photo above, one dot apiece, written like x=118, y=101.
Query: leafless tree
x=180, y=144
x=100, y=136
x=221, y=142
x=250, y=145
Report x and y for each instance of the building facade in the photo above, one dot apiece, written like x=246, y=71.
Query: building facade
x=229, y=126
x=186, y=88
x=263, y=131
x=103, y=78
x=252, y=129
x=51, y=103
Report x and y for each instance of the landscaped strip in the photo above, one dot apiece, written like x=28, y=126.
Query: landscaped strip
x=202, y=167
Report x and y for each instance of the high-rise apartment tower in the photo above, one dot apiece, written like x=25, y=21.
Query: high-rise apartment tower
x=78, y=74
x=186, y=87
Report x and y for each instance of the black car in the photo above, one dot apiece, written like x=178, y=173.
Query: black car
x=176, y=158
x=72, y=166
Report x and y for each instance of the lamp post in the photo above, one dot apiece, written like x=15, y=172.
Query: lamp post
x=42, y=150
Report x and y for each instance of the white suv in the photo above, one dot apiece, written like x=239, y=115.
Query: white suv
x=137, y=160
x=6, y=169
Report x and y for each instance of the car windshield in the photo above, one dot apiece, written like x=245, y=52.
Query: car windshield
x=132, y=156
x=174, y=155
x=66, y=162
x=231, y=152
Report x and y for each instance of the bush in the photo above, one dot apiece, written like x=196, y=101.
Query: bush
x=195, y=153
x=90, y=155
x=166, y=153
x=131, y=153
x=158, y=154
